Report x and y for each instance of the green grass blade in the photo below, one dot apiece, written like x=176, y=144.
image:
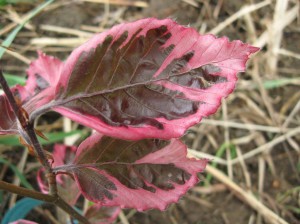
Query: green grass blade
x=12, y=140
x=219, y=154
x=293, y=209
x=10, y=38
x=20, y=210
x=13, y=80
x=22, y=178
x=5, y=2
x=59, y=136
x=276, y=83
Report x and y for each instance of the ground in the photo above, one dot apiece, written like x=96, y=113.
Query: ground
x=261, y=117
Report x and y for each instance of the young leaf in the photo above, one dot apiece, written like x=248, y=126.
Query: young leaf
x=43, y=76
x=8, y=123
x=148, y=79
x=67, y=187
x=141, y=174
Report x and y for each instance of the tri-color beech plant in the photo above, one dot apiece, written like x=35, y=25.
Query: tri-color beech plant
x=140, y=86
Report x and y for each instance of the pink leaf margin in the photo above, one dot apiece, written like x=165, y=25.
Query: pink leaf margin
x=140, y=199
x=230, y=57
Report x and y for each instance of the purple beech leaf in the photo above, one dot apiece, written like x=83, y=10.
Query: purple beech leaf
x=98, y=214
x=43, y=76
x=147, y=79
x=66, y=186
x=140, y=174
x=68, y=189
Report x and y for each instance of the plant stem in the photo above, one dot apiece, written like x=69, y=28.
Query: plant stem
x=58, y=201
x=26, y=192
x=11, y=98
x=26, y=130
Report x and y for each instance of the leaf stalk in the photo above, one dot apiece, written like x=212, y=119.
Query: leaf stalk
x=54, y=199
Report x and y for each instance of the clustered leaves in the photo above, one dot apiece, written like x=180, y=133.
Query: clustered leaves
x=134, y=84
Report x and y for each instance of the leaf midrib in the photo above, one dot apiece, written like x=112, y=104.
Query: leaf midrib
x=87, y=95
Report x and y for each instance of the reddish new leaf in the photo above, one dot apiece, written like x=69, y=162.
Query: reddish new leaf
x=8, y=123
x=8, y=120
x=141, y=174
x=98, y=214
x=148, y=79
x=43, y=76
x=66, y=186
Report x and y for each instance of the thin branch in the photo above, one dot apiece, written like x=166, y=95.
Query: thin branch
x=11, y=98
x=26, y=130
x=26, y=192
x=56, y=200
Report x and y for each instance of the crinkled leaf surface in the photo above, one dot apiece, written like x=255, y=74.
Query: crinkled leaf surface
x=98, y=214
x=148, y=79
x=66, y=186
x=142, y=174
x=43, y=76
